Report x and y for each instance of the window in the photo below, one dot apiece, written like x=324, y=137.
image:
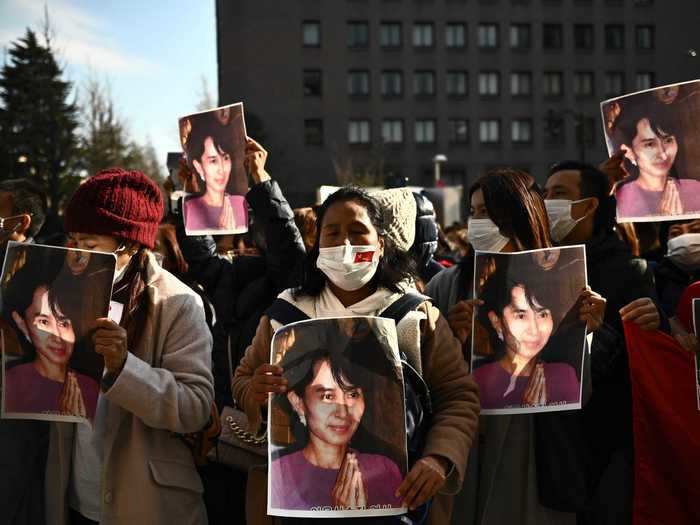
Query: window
x=554, y=129
x=358, y=132
x=644, y=80
x=521, y=131
x=358, y=35
x=489, y=83
x=614, y=37
x=553, y=85
x=521, y=84
x=392, y=83
x=312, y=83
x=458, y=131
x=583, y=36
x=487, y=35
x=313, y=132
x=390, y=34
x=645, y=37
x=423, y=34
x=455, y=35
x=425, y=131
x=311, y=34
x=392, y=131
x=457, y=83
x=489, y=131
x=552, y=36
x=424, y=83
x=520, y=36
x=585, y=130
x=584, y=84
x=358, y=83
x=614, y=83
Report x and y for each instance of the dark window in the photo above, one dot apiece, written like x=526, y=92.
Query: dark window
x=644, y=80
x=358, y=83
x=359, y=132
x=458, y=131
x=489, y=83
x=455, y=35
x=645, y=37
x=392, y=131
x=489, y=131
x=425, y=131
x=583, y=36
x=457, y=83
x=312, y=83
x=552, y=36
x=584, y=84
x=521, y=131
x=554, y=129
x=313, y=132
x=614, y=37
x=614, y=83
x=392, y=83
x=423, y=34
x=424, y=83
x=311, y=34
x=520, y=36
x=553, y=84
x=521, y=84
x=487, y=35
x=358, y=34
x=390, y=34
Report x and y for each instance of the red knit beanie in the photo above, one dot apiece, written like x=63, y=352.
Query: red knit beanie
x=119, y=203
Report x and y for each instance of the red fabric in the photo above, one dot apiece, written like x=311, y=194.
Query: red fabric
x=666, y=430
x=119, y=203
x=684, y=310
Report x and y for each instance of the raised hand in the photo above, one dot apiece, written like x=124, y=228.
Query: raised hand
x=71, y=402
x=536, y=392
x=592, y=309
x=267, y=379
x=254, y=162
x=643, y=312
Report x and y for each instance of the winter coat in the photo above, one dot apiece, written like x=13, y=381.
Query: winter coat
x=425, y=244
x=243, y=288
x=165, y=387
x=670, y=283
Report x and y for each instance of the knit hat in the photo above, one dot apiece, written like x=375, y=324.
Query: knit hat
x=119, y=203
x=399, y=208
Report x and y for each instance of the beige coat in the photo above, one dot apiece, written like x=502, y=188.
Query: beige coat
x=166, y=386
x=454, y=396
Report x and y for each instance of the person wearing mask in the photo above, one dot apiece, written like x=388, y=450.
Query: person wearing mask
x=426, y=242
x=680, y=266
x=157, y=381
x=581, y=211
x=355, y=269
x=23, y=444
x=507, y=214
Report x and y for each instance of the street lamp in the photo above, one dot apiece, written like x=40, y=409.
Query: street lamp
x=437, y=161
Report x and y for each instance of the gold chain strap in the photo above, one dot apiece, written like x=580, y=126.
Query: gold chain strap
x=244, y=435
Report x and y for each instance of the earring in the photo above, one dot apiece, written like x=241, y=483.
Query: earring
x=302, y=419
x=500, y=335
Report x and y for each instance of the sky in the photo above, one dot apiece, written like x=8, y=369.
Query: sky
x=153, y=55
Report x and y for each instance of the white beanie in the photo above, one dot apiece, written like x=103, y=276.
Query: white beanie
x=399, y=208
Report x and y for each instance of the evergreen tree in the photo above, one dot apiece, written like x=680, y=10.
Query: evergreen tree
x=37, y=120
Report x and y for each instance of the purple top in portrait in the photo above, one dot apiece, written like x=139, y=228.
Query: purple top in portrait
x=634, y=201
x=560, y=378
x=299, y=485
x=28, y=392
x=200, y=216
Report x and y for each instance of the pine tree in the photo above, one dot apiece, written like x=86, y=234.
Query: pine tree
x=37, y=120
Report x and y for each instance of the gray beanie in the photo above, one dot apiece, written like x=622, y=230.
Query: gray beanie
x=399, y=208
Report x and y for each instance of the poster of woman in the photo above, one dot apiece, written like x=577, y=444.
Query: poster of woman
x=658, y=131
x=337, y=442
x=51, y=298
x=213, y=142
x=527, y=340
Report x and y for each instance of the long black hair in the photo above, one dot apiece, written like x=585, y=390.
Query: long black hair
x=394, y=267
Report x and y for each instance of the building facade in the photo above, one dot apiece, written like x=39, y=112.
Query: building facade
x=365, y=90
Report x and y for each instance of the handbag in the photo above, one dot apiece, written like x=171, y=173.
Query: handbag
x=237, y=447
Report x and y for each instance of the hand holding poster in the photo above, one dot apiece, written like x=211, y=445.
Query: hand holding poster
x=214, y=144
x=527, y=339
x=337, y=444
x=658, y=132
x=51, y=299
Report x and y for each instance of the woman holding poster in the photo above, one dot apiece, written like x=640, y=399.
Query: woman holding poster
x=355, y=270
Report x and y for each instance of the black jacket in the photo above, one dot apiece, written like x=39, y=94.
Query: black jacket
x=243, y=288
x=425, y=244
x=671, y=281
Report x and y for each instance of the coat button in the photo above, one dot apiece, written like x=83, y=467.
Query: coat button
x=108, y=497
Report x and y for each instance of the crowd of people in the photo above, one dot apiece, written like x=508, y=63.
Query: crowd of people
x=197, y=328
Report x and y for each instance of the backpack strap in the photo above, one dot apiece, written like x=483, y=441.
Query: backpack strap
x=404, y=304
x=285, y=312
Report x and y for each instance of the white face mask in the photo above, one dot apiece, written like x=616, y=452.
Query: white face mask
x=348, y=267
x=561, y=222
x=684, y=251
x=484, y=235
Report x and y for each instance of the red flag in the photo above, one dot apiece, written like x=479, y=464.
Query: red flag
x=364, y=257
x=666, y=429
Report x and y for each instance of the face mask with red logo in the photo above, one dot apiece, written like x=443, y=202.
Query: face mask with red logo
x=348, y=267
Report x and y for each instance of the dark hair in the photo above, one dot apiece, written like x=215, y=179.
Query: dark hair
x=593, y=183
x=174, y=260
x=206, y=125
x=394, y=267
x=130, y=291
x=27, y=198
x=661, y=120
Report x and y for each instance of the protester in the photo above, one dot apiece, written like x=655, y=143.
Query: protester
x=23, y=444
x=426, y=242
x=507, y=214
x=157, y=379
x=581, y=211
x=350, y=223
